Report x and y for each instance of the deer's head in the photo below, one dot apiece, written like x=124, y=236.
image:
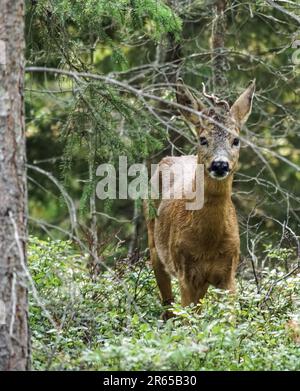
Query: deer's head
x=218, y=128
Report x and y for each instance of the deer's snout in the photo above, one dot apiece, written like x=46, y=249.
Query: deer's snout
x=219, y=168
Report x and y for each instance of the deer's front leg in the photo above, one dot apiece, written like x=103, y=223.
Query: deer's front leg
x=223, y=277
x=191, y=294
x=192, y=284
x=226, y=280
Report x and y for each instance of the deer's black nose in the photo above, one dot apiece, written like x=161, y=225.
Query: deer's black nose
x=220, y=167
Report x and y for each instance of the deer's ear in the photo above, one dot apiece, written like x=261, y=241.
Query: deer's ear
x=242, y=107
x=186, y=98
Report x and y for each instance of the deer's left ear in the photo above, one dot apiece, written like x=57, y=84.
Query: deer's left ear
x=186, y=98
x=241, y=109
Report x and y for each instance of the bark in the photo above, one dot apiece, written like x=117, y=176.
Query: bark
x=94, y=261
x=219, y=59
x=134, y=245
x=14, y=332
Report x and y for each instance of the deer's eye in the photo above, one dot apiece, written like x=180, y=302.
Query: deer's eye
x=203, y=141
x=236, y=142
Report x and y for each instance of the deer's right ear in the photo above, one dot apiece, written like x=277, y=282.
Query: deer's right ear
x=186, y=98
x=242, y=107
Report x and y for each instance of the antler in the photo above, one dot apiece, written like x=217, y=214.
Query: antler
x=214, y=99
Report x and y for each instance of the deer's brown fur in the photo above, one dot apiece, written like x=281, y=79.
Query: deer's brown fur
x=201, y=247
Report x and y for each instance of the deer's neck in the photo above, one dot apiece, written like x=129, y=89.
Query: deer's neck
x=217, y=202
x=211, y=219
x=217, y=193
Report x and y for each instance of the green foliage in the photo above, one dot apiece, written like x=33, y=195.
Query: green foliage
x=73, y=125
x=93, y=135
x=133, y=41
x=113, y=323
x=74, y=26
x=101, y=122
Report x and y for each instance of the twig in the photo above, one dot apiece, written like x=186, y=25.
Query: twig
x=283, y=10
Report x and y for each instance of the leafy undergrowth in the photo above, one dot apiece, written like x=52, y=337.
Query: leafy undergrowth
x=113, y=324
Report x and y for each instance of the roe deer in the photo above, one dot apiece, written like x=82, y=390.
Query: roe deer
x=201, y=247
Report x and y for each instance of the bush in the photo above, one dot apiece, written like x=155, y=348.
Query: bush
x=113, y=324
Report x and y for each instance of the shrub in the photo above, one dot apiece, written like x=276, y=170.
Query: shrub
x=113, y=324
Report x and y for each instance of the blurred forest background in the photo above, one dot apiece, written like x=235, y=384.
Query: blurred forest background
x=100, y=80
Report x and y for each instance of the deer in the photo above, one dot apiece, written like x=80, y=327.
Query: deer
x=201, y=247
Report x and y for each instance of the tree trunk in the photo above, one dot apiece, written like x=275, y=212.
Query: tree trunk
x=219, y=59
x=14, y=333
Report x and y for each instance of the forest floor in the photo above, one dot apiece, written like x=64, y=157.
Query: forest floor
x=114, y=323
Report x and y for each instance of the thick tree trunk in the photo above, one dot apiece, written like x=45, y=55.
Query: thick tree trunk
x=14, y=339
